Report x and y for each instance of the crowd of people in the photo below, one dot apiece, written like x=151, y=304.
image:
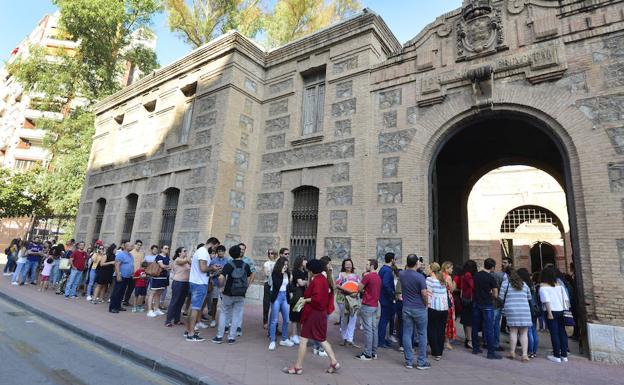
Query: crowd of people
x=407, y=308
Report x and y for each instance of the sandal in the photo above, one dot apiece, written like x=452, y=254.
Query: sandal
x=511, y=356
x=292, y=370
x=333, y=368
x=525, y=359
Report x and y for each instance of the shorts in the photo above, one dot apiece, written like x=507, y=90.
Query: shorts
x=44, y=278
x=159, y=283
x=198, y=295
x=140, y=291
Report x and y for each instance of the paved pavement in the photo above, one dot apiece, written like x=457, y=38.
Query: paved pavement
x=249, y=361
x=37, y=351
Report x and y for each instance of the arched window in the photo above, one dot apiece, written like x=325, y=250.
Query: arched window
x=131, y=205
x=169, y=213
x=99, y=218
x=304, y=222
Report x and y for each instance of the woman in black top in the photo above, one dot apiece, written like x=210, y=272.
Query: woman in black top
x=298, y=286
x=280, y=289
x=104, y=274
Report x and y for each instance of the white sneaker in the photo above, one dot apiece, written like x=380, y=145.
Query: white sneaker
x=564, y=359
x=89, y=298
x=322, y=353
x=295, y=339
x=14, y=283
x=288, y=343
x=272, y=346
x=201, y=325
x=554, y=359
x=151, y=314
x=213, y=324
x=393, y=339
x=159, y=312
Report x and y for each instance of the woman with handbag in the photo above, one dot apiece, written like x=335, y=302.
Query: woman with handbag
x=350, y=304
x=467, y=294
x=534, y=305
x=104, y=273
x=515, y=296
x=555, y=302
x=450, y=332
x=298, y=284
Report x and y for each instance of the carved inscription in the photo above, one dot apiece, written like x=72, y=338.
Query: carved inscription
x=206, y=121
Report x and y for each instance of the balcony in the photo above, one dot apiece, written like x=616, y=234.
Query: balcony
x=31, y=134
x=32, y=153
x=36, y=114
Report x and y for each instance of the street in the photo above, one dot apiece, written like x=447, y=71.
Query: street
x=35, y=351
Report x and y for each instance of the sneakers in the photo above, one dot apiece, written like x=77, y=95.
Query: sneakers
x=554, y=359
x=158, y=312
x=363, y=357
x=231, y=341
x=14, y=283
x=135, y=309
x=201, y=325
x=374, y=356
x=195, y=338
x=409, y=366
x=564, y=359
x=217, y=340
x=151, y=314
x=319, y=352
x=213, y=324
x=89, y=298
x=239, y=332
x=287, y=343
x=272, y=346
x=424, y=366
x=393, y=339
x=295, y=339
x=494, y=357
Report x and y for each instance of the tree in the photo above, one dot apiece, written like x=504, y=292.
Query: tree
x=292, y=19
x=73, y=80
x=21, y=193
x=285, y=21
x=204, y=20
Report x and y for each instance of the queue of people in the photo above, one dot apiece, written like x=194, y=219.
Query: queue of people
x=411, y=308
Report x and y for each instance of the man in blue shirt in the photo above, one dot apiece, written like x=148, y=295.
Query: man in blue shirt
x=386, y=299
x=124, y=269
x=33, y=257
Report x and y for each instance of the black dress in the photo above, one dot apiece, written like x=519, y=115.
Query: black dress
x=297, y=293
x=104, y=274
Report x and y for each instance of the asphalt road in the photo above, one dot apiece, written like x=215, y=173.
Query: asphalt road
x=35, y=351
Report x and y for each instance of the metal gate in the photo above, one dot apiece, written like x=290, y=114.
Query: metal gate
x=304, y=222
x=99, y=217
x=131, y=201
x=169, y=216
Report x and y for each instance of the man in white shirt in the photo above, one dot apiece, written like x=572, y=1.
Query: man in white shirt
x=198, y=280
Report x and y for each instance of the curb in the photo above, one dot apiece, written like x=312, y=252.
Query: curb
x=168, y=370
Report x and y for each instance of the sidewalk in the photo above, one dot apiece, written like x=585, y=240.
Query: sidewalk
x=162, y=349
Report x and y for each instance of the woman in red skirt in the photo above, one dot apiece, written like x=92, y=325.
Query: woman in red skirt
x=319, y=302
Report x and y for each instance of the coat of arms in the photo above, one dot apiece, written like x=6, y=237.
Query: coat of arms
x=480, y=30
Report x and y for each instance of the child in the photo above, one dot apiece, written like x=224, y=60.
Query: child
x=140, y=288
x=45, y=273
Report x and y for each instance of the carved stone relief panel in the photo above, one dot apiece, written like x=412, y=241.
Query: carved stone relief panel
x=341, y=172
x=339, y=196
x=248, y=107
x=206, y=121
x=188, y=239
x=389, y=245
x=412, y=115
x=198, y=175
x=390, y=98
x=262, y=244
x=86, y=208
x=278, y=108
x=396, y=141
x=239, y=181
x=603, y=109
x=246, y=123
x=144, y=236
x=194, y=195
x=345, y=65
x=338, y=220
x=389, y=221
x=149, y=201
x=344, y=89
x=344, y=108
x=277, y=124
x=277, y=88
x=241, y=159
x=340, y=149
x=271, y=180
x=267, y=223
x=250, y=85
x=206, y=104
x=338, y=248
x=390, y=167
x=244, y=140
x=616, y=135
x=616, y=177
x=231, y=240
x=342, y=128
x=234, y=221
x=190, y=218
x=389, y=119
x=276, y=141
x=203, y=137
x=237, y=199
x=388, y=193
x=270, y=201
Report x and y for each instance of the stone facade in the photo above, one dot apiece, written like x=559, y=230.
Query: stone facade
x=547, y=64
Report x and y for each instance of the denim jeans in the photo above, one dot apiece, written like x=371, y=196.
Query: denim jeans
x=387, y=313
x=533, y=338
x=179, y=291
x=414, y=318
x=10, y=265
x=19, y=270
x=498, y=314
x=280, y=305
x=72, y=282
x=368, y=315
x=91, y=282
x=30, y=268
x=231, y=309
x=56, y=272
x=558, y=336
x=483, y=314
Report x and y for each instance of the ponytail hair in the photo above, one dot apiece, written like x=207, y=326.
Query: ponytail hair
x=435, y=269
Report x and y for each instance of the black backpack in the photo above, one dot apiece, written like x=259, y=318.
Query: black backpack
x=238, y=275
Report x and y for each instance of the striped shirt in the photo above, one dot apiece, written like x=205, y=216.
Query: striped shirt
x=439, y=295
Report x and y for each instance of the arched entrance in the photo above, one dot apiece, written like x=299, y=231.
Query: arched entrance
x=542, y=254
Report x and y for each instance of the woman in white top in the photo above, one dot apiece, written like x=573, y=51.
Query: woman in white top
x=555, y=301
x=21, y=262
x=266, y=298
x=438, y=310
x=280, y=289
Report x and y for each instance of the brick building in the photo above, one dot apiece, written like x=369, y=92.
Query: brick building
x=347, y=143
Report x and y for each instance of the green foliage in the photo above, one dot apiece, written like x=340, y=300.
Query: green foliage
x=203, y=20
x=70, y=82
x=22, y=193
x=283, y=21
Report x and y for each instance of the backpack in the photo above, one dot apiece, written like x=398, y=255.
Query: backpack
x=238, y=288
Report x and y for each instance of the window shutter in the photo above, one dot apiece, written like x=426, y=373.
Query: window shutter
x=309, y=106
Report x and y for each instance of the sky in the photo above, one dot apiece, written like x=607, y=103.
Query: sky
x=406, y=18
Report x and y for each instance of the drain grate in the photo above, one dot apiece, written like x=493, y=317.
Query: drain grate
x=18, y=313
